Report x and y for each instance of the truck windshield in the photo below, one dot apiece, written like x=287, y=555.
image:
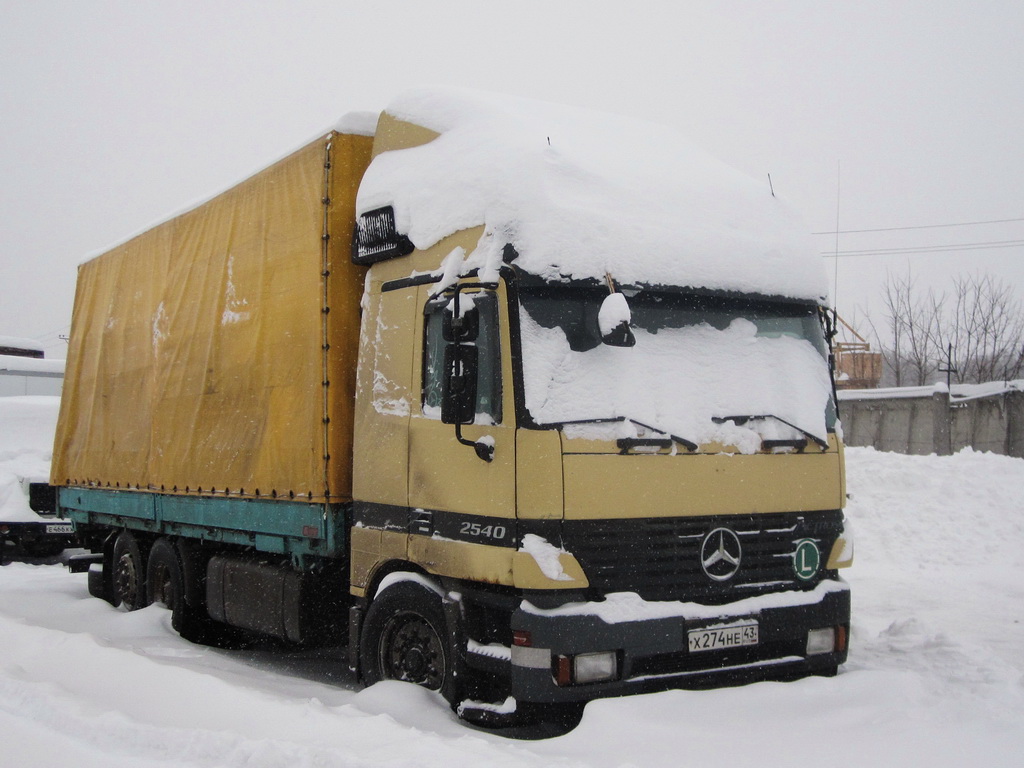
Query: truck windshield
x=698, y=357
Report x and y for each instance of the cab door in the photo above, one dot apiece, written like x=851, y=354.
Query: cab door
x=455, y=492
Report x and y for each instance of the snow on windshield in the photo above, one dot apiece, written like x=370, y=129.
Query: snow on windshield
x=582, y=194
x=678, y=380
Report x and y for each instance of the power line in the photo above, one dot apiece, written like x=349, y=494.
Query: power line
x=52, y=335
x=922, y=226
x=951, y=248
x=943, y=246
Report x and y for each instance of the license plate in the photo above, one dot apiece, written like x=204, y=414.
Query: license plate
x=55, y=528
x=722, y=638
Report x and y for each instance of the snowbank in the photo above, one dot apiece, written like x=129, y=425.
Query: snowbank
x=935, y=677
x=957, y=392
x=26, y=444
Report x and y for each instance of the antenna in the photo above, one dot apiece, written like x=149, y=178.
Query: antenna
x=770, y=185
x=835, y=279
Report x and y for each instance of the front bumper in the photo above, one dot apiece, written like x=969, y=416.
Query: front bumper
x=44, y=529
x=650, y=641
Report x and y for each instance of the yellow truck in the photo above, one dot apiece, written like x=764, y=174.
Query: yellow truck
x=528, y=405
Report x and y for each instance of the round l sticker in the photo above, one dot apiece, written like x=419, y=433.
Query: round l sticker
x=806, y=559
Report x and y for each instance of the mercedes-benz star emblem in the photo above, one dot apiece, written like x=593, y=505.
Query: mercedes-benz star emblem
x=720, y=554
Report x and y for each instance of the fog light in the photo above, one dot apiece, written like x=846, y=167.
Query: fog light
x=821, y=641
x=595, y=667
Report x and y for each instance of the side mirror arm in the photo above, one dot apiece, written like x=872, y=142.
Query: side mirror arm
x=484, y=448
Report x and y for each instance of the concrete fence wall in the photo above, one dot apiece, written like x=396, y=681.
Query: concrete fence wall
x=21, y=375
x=924, y=420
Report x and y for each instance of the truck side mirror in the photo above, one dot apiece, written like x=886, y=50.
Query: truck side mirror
x=613, y=319
x=458, y=388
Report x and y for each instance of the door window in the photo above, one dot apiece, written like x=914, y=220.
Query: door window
x=488, y=389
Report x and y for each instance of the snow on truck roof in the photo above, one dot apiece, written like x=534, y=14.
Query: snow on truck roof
x=581, y=194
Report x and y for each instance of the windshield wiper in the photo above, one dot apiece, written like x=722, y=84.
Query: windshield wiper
x=626, y=443
x=739, y=421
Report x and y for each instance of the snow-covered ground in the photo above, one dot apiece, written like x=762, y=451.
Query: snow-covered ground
x=936, y=673
x=26, y=444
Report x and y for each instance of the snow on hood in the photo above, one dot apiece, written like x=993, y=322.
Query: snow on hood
x=581, y=194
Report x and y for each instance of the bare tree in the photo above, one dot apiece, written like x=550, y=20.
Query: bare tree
x=980, y=320
x=986, y=329
x=912, y=326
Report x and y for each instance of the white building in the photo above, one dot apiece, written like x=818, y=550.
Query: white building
x=25, y=371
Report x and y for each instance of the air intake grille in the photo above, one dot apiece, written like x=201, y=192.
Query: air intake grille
x=660, y=558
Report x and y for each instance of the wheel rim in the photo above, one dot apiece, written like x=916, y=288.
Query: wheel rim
x=126, y=579
x=411, y=651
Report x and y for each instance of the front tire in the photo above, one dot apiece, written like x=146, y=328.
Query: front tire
x=405, y=637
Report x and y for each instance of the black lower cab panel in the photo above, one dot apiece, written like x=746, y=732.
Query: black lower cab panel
x=634, y=656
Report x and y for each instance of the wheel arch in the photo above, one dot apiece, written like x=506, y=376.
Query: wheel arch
x=391, y=570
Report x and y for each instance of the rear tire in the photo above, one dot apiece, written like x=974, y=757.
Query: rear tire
x=129, y=575
x=193, y=621
x=164, y=584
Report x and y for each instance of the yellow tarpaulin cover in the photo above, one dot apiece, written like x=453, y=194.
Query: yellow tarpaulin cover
x=202, y=358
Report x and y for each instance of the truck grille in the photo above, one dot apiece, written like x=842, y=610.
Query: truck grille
x=659, y=558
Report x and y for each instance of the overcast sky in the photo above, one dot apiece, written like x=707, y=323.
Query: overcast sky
x=892, y=114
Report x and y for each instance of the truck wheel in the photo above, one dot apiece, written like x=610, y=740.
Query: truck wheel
x=405, y=637
x=165, y=584
x=191, y=619
x=129, y=578
x=163, y=576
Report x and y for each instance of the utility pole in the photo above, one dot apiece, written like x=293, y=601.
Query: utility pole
x=949, y=369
